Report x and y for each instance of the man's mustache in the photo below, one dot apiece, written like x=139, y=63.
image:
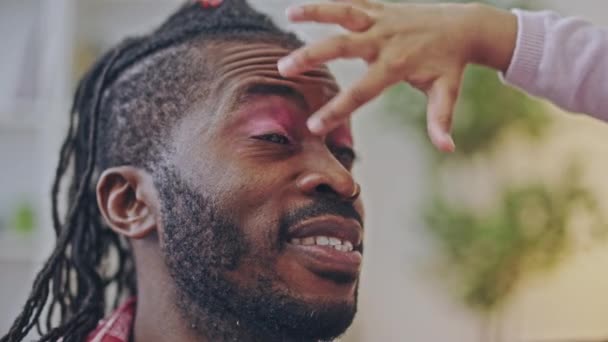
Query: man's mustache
x=320, y=207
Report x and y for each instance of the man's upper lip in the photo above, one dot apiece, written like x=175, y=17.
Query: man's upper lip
x=331, y=226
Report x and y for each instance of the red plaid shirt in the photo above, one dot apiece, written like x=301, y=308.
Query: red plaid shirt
x=117, y=327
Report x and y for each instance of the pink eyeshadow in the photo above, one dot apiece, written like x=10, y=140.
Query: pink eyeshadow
x=274, y=115
x=264, y=117
x=341, y=136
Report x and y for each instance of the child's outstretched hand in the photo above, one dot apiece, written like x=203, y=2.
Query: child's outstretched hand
x=427, y=46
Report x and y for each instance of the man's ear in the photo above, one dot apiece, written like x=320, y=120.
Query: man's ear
x=128, y=201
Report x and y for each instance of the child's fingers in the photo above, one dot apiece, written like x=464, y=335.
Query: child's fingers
x=442, y=97
x=363, y=3
x=315, y=54
x=358, y=2
x=344, y=14
x=346, y=102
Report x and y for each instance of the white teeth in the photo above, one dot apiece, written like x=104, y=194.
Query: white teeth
x=348, y=246
x=322, y=240
x=334, y=241
x=343, y=246
x=308, y=241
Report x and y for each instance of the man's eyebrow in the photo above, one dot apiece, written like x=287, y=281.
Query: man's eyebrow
x=260, y=89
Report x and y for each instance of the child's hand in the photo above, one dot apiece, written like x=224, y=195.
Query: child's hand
x=427, y=46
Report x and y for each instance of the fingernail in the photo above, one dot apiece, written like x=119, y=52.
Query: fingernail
x=315, y=125
x=284, y=65
x=450, y=145
x=294, y=12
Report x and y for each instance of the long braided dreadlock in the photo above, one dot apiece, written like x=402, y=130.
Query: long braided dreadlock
x=72, y=291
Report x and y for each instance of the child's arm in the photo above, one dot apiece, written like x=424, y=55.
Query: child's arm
x=428, y=46
x=562, y=59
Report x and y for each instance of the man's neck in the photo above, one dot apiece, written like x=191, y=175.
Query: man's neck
x=157, y=322
x=158, y=316
x=155, y=318
x=160, y=319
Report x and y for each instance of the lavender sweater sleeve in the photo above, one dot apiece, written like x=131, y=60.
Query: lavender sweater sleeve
x=564, y=60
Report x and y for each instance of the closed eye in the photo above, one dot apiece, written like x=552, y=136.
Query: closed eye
x=274, y=138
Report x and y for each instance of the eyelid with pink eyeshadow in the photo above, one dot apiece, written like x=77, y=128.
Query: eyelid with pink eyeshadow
x=271, y=121
x=267, y=127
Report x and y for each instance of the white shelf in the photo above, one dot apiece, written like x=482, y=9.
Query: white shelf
x=10, y=124
x=21, y=115
x=17, y=247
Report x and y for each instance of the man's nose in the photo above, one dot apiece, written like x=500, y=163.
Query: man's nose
x=328, y=177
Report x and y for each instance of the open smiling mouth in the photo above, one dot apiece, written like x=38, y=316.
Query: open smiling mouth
x=329, y=246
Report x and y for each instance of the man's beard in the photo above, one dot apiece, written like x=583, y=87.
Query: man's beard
x=202, y=244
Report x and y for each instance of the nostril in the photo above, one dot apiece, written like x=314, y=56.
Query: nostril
x=324, y=189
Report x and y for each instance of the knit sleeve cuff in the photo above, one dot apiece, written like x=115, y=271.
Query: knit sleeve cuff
x=528, y=50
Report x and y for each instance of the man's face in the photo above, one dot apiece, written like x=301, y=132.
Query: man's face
x=258, y=218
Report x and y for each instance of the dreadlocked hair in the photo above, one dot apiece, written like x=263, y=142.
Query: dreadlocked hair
x=120, y=114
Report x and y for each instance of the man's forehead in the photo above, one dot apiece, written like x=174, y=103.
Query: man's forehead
x=243, y=73
x=245, y=68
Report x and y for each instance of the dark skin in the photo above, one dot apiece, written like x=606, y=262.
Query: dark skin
x=249, y=147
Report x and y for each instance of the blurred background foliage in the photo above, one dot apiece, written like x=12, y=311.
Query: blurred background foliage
x=23, y=219
x=486, y=109
x=528, y=228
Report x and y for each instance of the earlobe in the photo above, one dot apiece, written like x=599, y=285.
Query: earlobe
x=128, y=201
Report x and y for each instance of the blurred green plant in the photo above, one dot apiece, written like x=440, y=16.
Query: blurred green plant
x=486, y=109
x=23, y=219
x=527, y=229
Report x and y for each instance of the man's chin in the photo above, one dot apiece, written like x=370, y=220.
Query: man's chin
x=332, y=327
x=325, y=304
x=306, y=305
x=324, y=320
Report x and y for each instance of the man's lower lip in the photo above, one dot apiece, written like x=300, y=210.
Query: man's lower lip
x=325, y=260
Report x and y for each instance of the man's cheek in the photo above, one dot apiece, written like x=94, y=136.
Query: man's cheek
x=261, y=238
x=260, y=224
